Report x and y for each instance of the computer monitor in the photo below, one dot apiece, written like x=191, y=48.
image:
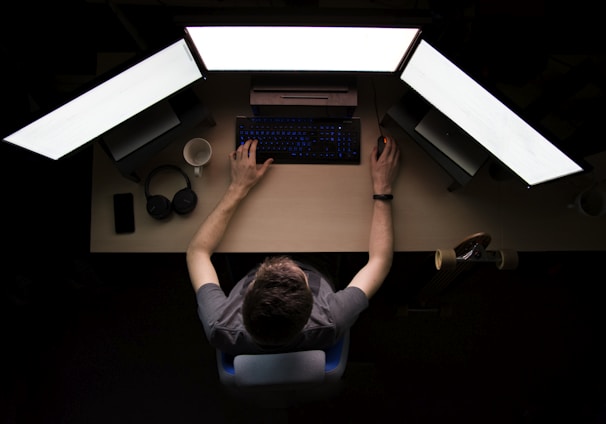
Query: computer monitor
x=503, y=133
x=111, y=102
x=308, y=49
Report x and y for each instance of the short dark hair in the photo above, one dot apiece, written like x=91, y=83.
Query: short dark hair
x=279, y=303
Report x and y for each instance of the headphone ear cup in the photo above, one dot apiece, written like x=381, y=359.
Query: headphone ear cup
x=158, y=206
x=185, y=201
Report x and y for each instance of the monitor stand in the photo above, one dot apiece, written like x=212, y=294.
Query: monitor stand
x=303, y=96
x=453, y=142
x=136, y=140
x=148, y=125
x=453, y=149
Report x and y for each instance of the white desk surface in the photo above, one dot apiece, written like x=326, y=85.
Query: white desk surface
x=326, y=208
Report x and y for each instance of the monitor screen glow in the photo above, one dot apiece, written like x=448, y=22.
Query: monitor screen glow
x=302, y=48
x=110, y=103
x=496, y=127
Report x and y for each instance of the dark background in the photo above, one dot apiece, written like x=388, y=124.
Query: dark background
x=102, y=338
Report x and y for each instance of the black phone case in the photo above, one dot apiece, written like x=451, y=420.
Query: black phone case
x=124, y=213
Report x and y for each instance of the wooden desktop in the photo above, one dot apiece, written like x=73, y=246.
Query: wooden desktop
x=327, y=208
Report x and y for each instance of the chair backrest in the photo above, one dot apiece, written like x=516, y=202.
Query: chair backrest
x=283, y=379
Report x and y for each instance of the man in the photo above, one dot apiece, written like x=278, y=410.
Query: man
x=285, y=305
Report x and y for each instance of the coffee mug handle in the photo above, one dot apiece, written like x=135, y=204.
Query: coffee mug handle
x=197, y=171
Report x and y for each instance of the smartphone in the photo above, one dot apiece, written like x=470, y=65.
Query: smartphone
x=124, y=213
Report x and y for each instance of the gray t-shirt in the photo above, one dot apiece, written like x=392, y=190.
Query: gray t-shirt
x=333, y=313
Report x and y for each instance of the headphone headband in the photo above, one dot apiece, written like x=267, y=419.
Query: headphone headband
x=164, y=168
x=184, y=201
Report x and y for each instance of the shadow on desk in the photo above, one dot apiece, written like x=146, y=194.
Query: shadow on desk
x=115, y=338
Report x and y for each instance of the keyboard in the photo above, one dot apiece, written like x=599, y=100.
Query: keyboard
x=310, y=140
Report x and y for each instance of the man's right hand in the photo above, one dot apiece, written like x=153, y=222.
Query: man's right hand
x=244, y=170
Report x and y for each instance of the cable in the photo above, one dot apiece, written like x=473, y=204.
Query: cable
x=374, y=91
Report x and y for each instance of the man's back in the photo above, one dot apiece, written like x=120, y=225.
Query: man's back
x=332, y=314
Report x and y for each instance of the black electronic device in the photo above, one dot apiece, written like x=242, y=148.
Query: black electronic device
x=159, y=206
x=457, y=153
x=381, y=142
x=124, y=213
x=110, y=100
x=475, y=116
x=302, y=140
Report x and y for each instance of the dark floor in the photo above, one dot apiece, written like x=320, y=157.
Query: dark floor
x=115, y=338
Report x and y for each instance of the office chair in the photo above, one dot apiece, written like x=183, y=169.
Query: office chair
x=281, y=380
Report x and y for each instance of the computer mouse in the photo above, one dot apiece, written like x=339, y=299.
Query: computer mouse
x=381, y=141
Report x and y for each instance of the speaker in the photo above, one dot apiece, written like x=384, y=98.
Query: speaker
x=159, y=207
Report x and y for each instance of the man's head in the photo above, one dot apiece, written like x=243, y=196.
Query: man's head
x=278, y=302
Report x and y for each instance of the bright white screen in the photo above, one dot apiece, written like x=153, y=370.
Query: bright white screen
x=110, y=103
x=283, y=48
x=503, y=133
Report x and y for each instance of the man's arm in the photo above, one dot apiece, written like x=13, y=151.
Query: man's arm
x=381, y=239
x=244, y=175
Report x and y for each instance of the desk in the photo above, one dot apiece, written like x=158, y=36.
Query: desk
x=304, y=208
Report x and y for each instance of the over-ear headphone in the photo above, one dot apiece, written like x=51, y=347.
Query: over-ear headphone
x=184, y=201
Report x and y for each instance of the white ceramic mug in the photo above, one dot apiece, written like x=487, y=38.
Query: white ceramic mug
x=197, y=152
